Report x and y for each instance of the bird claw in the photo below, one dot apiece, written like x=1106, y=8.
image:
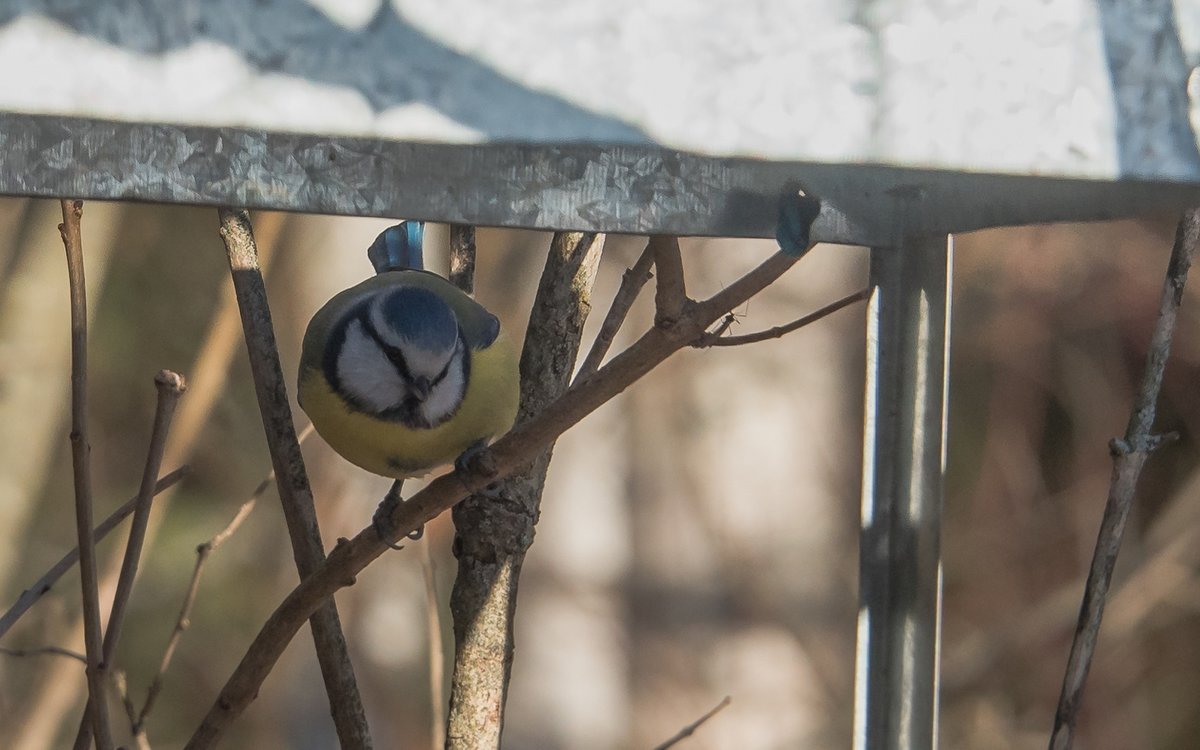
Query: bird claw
x=475, y=460
x=381, y=531
x=475, y=463
x=381, y=520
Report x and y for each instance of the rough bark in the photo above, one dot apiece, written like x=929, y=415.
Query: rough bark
x=494, y=531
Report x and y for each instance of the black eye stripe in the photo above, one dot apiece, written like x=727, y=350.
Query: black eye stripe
x=442, y=375
x=394, y=355
x=397, y=359
x=458, y=352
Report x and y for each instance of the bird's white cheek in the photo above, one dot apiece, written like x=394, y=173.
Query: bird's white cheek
x=365, y=372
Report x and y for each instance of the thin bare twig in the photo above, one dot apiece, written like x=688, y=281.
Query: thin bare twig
x=437, y=656
x=207, y=375
x=42, y=585
x=510, y=453
x=183, y=621
x=121, y=684
x=294, y=491
x=632, y=282
x=716, y=337
x=1129, y=455
x=170, y=386
x=72, y=212
x=462, y=257
x=44, y=651
x=690, y=729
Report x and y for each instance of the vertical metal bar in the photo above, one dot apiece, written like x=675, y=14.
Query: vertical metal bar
x=896, y=680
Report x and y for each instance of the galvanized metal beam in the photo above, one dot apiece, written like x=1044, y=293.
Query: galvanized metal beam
x=632, y=189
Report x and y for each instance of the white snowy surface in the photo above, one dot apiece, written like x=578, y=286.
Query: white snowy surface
x=1019, y=86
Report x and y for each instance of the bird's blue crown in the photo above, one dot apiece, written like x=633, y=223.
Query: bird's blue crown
x=421, y=317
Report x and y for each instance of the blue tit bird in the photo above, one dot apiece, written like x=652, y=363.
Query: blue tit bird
x=404, y=372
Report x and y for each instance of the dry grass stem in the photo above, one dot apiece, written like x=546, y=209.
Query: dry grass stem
x=72, y=213
x=1129, y=455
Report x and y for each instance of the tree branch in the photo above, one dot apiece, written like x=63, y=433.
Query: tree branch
x=72, y=212
x=632, y=282
x=38, y=589
x=715, y=338
x=495, y=530
x=294, y=491
x=170, y=387
x=1129, y=455
x=511, y=452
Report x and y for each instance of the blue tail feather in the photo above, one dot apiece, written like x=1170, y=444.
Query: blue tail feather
x=399, y=248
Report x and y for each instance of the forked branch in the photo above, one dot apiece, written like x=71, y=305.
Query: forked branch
x=170, y=387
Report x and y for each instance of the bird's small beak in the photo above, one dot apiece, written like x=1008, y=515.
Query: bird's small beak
x=420, y=388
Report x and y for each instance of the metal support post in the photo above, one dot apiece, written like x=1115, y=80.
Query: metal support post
x=896, y=675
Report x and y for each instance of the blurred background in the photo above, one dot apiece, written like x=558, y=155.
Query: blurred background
x=698, y=535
